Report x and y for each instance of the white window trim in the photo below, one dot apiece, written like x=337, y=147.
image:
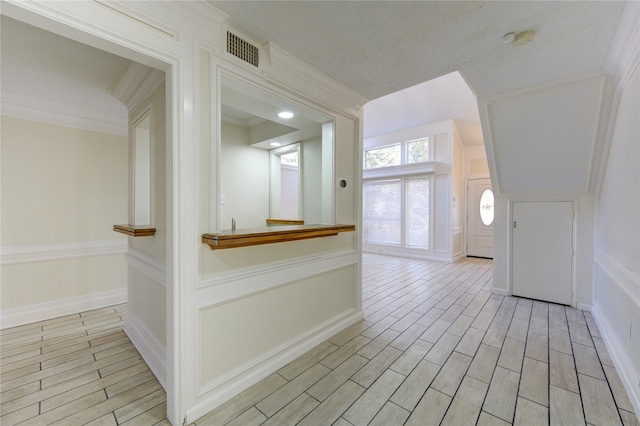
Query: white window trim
x=403, y=212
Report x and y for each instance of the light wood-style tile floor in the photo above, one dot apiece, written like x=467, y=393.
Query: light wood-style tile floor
x=435, y=347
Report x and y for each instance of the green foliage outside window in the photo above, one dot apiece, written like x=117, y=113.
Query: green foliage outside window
x=382, y=157
x=418, y=151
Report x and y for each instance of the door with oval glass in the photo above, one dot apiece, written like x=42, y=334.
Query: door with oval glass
x=480, y=213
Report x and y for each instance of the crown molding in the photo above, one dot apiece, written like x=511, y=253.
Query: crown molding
x=28, y=108
x=624, y=53
x=136, y=83
x=288, y=71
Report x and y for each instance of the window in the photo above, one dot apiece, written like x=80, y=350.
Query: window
x=387, y=202
x=285, y=183
x=486, y=207
x=383, y=212
x=417, y=213
x=409, y=152
x=418, y=151
x=382, y=157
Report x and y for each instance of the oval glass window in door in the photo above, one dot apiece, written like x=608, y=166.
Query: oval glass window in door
x=486, y=207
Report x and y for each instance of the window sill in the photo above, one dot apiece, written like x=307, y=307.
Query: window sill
x=135, y=230
x=269, y=235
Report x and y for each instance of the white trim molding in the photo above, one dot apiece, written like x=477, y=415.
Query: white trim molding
x=58, y=308
x=623, y=277
x=29, y=253
x=27, y=108
x=625, y=48
x=242, y=283
x=153, y=353
x=148, y=265
x=136, y=84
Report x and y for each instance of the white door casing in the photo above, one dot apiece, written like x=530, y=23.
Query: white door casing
x=542, y=250
x=479, y=231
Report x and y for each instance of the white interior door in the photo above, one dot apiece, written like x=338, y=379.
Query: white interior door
x=542, y=250
x=479, y=218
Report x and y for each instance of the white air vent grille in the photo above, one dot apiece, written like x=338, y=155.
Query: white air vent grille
x=242, y=49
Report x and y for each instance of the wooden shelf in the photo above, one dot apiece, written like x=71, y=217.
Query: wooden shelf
x=270, y=235
x=135, y=230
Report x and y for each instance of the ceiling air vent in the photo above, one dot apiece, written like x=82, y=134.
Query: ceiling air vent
x=242, y=49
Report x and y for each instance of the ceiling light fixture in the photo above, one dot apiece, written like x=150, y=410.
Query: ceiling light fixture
x=285, y=114
x=523, y=38
x=275, y=144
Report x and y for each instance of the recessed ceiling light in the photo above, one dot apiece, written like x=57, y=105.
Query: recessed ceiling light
x=285, y=114
x=275, y=144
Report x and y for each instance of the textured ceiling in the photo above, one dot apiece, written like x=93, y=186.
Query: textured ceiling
x=42, y=65
x=381, y=47
x=375, y=47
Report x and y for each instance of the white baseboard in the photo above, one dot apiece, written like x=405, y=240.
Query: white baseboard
x=153, y=353
x=624, y=366
x=585, y=307
x=58, y=308
x=214, y=394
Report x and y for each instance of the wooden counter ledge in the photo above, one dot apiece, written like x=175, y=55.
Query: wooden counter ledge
x=276, y=234
x=135, y=230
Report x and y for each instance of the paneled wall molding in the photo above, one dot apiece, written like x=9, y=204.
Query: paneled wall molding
x=11, y=255
x=58, y=308
x=148, y=265
x=624, y=366
x=227, y=287
x=27, y=108
x=152, y=351
x=625, y=279
x=136, y=84
x=217, y=391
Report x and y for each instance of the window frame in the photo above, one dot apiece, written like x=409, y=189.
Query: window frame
x=404, y=211
x=404, y=153
x=364, y=159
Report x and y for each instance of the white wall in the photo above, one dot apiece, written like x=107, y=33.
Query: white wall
x=312, y=180
x=617, y=243
x=146, y=322
x=256, y=308
x=458, y=195
x=63, y=189
x=244, y=180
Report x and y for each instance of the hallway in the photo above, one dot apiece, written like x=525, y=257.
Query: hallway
x=436, y=347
